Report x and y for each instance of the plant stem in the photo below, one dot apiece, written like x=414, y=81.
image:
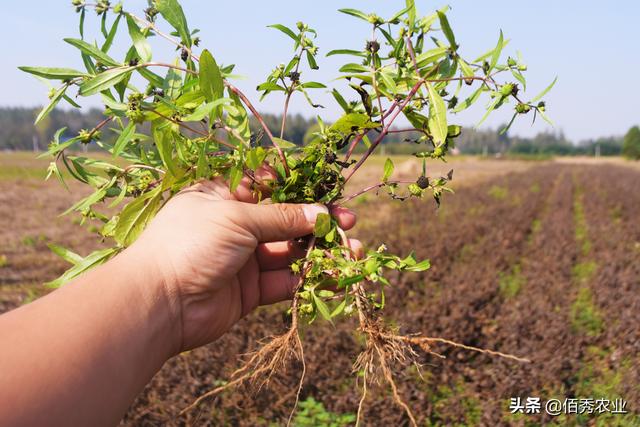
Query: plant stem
x=179, y=123
x=371, y=187
x=289, y=93
x=153, y=27
x=162, y=64
x=258, y=117
x=385, y=130
x=353, y=145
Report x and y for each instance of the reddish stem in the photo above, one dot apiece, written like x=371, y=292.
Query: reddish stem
x=353, y=145
x=371, y=187
x=257, y=115
x=385, y=130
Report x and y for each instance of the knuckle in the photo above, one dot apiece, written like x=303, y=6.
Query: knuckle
x=291, y=216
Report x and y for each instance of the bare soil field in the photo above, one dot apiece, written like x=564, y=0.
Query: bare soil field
x=537, y=259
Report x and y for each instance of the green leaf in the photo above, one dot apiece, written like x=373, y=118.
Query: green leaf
x=202, y=166
x=354, y=68
x=421, y=266
x=172, y=83
x=346, y=281
x=235, y=176
x=491, y=107
x=86, y=203
x=136, y=215
x=446, y=29
x=163, y=140
x=211, y=81
x=345, y=52
x=544, y=92
x=348, y=122
x=270, y=87
x=388, y=170
x=312, y=85
x=410, y=4
x=54, y=101
x=104, y=80
x=356, y=13
x=490, y=52
x=339, y=308
x=437, y=116
x=465, y=68
x=282, y=143
x=204, y=110
x=508, y=126
x=94, y=259
x=71, y=101
x=411, y=12
x=388, y=81
x=66, y=254
x=340, y=99
x=312, y=61
x=294, y=61
x=323, y=225
x=544, y=116
x=322, y=307
x=151, y=77
x=53, y=73
x=430, y=56
x=238, y=119
x=518, y=75
x=94, y=52
x=496, y=52
x=255, y=158
x=112, y=33
x=139, y=40
x=172, y=12
x=81, y=23
x=124, y=138
x=469, y=101
x=53, y=170
x=285, y=30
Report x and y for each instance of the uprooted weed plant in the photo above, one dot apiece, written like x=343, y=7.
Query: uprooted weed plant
x=177, y=122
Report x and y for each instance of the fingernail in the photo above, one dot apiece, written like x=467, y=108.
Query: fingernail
x=311, y=212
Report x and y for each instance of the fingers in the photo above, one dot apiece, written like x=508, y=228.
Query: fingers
x=248, y=190
x=276, y=286
x=277, y=222
x=278, y=255
x=346, y=217
x=357, y=248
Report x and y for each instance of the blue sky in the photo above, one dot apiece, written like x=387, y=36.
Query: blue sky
x=592, y=46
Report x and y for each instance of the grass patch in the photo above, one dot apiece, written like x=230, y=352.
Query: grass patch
x=584, y=271
x=445, y=398
x=585, y=317
x=596, y=379
x=312, y=413
x=498, y=192
x=536, y=226
x=511, y=283
x=616, y=214
x=580, y=222
x=535, y=188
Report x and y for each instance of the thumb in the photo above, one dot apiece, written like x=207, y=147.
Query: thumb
x=279, y=221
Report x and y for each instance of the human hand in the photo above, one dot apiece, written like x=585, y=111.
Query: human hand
x=219, y=255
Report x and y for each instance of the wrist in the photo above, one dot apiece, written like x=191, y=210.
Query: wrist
x=154, y=298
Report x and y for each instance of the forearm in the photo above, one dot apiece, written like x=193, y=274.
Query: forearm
x=80, y=355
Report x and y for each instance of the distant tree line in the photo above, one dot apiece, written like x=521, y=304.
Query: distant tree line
x=17, y=132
